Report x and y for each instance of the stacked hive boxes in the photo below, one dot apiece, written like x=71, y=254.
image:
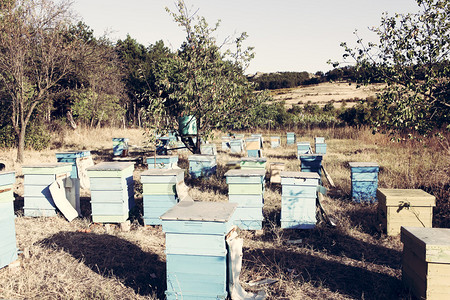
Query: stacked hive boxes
x=320, y=145
x=38, y=201
x=426, y=262
x=246, y=188
x=311, y=163
x=253, y=163
x=303, y=148
x=253, y=146
x=290, y=138
x=120, y=146
x=159, y=192
x=364, y=177
x=202, y=165
x=404, y=207
x=8, y=249
x=112, y=191
x=196, y=252
x=298, y=199
x=275, y=141
x=162, y=162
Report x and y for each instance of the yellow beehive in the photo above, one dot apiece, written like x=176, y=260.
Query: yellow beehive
x=426, y=262
x=275, y=171
x=404, y=207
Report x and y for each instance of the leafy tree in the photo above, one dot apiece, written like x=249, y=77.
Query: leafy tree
x=199, y=80
x=412, y=57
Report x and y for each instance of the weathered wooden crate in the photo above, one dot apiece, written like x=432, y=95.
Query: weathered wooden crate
x=253, y=163
x=38, y=201
x=298, y=199
x=290, y=138
x=364, y=176
x=209, y=149
x=112, y=191
x=8, y=245
x=196, y=249
x=311, y=163
x=303, y=148
x=426, y=262
x=236, y=146
x=404, y=207
x=275, y=171
x=162, y=162
x=159, y=192
x=261, y=139
x=246, y=188
x=226, y=143
x=202, y=165
x=275, y=141
x=119, y=146
x=253, y=143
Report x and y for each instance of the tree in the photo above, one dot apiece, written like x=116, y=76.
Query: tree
x=412, y=57
x=201, y=81
x=34, y=56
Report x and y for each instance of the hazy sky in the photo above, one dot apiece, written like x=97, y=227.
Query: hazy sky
x=288, y=35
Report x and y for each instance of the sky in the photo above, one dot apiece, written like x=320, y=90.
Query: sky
x=288, y=35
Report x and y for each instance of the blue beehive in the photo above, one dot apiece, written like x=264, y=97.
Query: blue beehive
x=246, y=188
x=226, y=143
x=298, y=199
x=8, y=248
x=120, y=146
x=275, y=141
x=162, y=162
x=112, y=191
x=303, y=148
x=202, y=165
x=311, y=163
x=38, y=201
x=320, y=145
x=364, y=176
x=196, y=253
x=236, y=146
x=254, y=153
x=159, y=192
x=210, y=149
x=290, y=138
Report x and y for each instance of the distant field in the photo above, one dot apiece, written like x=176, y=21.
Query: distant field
x=325, y=92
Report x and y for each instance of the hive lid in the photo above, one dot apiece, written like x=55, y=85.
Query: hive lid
x=396, y=197
x=162, y=172
x=51, y=168
x=200, y=211
x=430, y=244
x=362, y=164
x=201, y=157
x=110, y=166
x=311, y=155
x=254, y=159
x=162, y=156
x=245, y=172
x=291, y=174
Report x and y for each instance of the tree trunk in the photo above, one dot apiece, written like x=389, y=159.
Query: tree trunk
x=21, y=145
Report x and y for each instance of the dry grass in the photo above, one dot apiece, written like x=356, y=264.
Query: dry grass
x=353, y=260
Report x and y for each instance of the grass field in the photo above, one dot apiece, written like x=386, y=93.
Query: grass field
x=353, y=260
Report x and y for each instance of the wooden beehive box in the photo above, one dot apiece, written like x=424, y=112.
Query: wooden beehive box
x=120, y=146
x=275, y=171
x=298, y=199
x=38, y=201
x=162, y=162
x=320, y=145
x=364, y=176
x=311, y=163
x=261, y=139
x=159, y=192
x=71, y=157
x=254, y=153
x=8, y=245
x=236, y=146
x=275, y=141
x=202, y=165
x=112, y=191
x=209, y=149
x=404, y=207
x=426, y=262
x=196, y=254
x=290, y=138
x=246, y=188
x=226, y=143
x=253, y=143
x=253, y=163
x=303, y=148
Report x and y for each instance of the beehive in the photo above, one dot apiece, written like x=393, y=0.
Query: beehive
x=261, y=139
x=404, y=207
x=275, y=141
x=298, y=199
x=426, y=262
x=233, y=164
x=303, y=148
x=162, y=162
x=8, y=248
x=202, y=165
x=236, y=146
x=253, y=143
x=364, y=176
x=38, y=201
x=112, y=191
x=159, y=192
x=254, y=153
x=275, y=172
x=246, y=188
x=290, y=138
x=196, y=253
x=210, y=149
x=120, y=146
x=226, y=143
x=320, y=145
x=311, y=163
x=253, y=163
